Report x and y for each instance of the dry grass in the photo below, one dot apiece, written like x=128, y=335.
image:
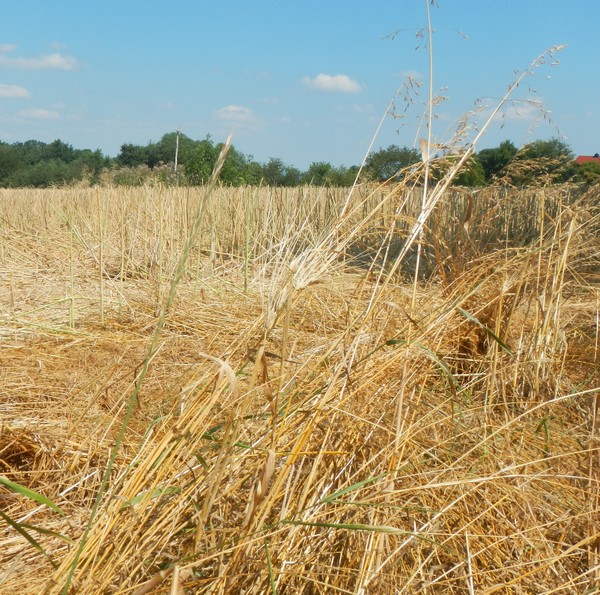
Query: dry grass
x=309, y=422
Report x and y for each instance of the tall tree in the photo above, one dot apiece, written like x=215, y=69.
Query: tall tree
x=200, y=164
x=10, y=163
x=588, y=173
x=60, y=151
x=493, y=161
x=132, y=155
x=276, y=173
x=553, y=148
x=164, y=150
x=31, y=151
x=386, y=163
x=471, y=174
x=320, y=173
x=543, y=162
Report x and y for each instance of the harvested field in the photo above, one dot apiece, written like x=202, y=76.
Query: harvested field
x=264, y=390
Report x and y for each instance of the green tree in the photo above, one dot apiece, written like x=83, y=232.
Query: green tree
x=471, y=174
x=253, y=172
x=276, y=173
x=588, y=173
x=164, y=150
x=132, y=155
x=45, y=173
x=493, y=161
x=319, y=173
x=341, y=176
x=292, y=176
x=386, y=163
x=57, y=150
x=554, y=148
x=200, y=165
x=345, y=176
x=89, y=164
x=31, y=151
x=10, y=163
x=234, y=166
x=543, y=162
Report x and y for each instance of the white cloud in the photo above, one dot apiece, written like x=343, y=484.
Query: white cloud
x=236, y=114
x=55, y=61
x=40, y=114
x=518, y=110
x=7, y=47
x=367, y=108
x=339, y=83
x=522, y=110
x=13, y=91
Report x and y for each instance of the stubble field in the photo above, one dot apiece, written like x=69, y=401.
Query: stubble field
x=263, y=390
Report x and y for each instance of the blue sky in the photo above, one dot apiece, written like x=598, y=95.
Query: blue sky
x=304, y=80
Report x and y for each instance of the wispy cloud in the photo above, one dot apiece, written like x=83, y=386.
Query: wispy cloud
x=339, y=83
x=7, y=47
x=527, y=109
x=39, y=114
x=237, y=114
x=54, y=61
x=13, y=91
x=367, y=108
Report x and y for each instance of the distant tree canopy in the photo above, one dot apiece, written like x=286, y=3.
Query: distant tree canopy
x=588, y=172
x=493, y=161
x=197, y=160
x=38, y=164
x=321, y=173
x=387, y=163
x=276, y=173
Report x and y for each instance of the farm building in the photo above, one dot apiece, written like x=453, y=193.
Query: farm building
x=584, y=158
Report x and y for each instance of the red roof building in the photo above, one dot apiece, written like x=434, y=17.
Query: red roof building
x=584, y=158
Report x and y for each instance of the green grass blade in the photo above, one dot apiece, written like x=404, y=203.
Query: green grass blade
x=19, y=528
x=156, y=493
x=32, y=495
x=490, y=333
x=441, y=364
x=48, y=532
x=270, y=568
x=352, y=488
x=431, y=355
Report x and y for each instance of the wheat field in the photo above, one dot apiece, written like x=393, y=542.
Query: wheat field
x=308, y=390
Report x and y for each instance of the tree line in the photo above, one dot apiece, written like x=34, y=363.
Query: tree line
x=178, y=159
